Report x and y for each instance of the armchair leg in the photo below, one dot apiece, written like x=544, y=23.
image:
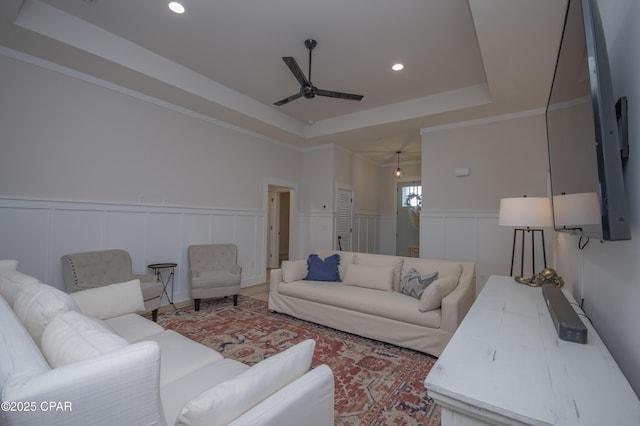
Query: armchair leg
x=235, y=300
x=154, y=315
x=196, y=304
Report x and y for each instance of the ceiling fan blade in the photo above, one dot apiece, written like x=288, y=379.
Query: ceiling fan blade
x=295, y=69
x=341, y=95
x=289, y=99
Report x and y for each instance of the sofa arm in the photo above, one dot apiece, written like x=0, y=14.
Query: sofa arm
x=309, y=399
x=111, y=301
x=118, y=388
x=457, y=303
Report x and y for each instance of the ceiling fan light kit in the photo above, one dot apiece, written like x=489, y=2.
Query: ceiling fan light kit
x=307, y=89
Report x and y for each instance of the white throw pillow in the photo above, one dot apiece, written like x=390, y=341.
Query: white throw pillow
x=111, y=300
x=38, y=304
x=228, y=400
x=11, y=282
x=73, y=337
x=294, y=270
x=369, y=276
x=436, y=291
x=382, y=260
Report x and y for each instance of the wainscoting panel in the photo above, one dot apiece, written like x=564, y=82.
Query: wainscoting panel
x=365, y=233
x=29, y=226
x=472, y=236
x=38, y=232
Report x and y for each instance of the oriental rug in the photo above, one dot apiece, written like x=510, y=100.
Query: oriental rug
x=375, y=383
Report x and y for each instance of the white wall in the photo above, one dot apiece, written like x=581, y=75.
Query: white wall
x=86, y=166
x=507, y=157
x=607, y=274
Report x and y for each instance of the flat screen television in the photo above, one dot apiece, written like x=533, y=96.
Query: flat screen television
x=586, y=154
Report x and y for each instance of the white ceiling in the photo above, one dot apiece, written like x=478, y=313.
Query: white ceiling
x=464, y=60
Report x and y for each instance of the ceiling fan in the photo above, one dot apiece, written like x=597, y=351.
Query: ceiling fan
x=307, y=89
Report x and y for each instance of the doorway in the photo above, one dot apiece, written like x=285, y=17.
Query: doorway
x=408, y=207
x=278, y=226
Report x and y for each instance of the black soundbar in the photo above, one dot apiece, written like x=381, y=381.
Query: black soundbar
x=567, y=323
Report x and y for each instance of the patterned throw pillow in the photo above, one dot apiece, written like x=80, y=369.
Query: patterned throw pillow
x=413, y=284
x=323, y=270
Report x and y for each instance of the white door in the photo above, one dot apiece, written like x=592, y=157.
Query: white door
x=344, y=214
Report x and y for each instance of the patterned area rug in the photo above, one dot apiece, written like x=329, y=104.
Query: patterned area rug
x=375, y=383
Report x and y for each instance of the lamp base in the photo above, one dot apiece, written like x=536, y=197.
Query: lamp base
x=547, y=276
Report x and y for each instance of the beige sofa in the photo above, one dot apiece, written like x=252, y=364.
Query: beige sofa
x=89, y=359
x=368, y=300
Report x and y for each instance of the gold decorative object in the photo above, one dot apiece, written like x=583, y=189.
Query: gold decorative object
x=547, y=276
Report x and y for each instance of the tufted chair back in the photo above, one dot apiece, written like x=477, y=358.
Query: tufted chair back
x=91, y=269
x=95, y=269
x=212, y=257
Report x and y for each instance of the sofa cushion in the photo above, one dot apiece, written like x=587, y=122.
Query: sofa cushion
x=38, y=304
x=413, y=284
x=181, y=355
x=73, y=337
x=387, y=304
x=11, y=282
x=229, y=399
x=110, y=300
x=294, y=270
x=346, y=258
x=179, y=392
x=133, y=327
x=433, y=295
x=382, y=260
x=323, y=269
x=368, y=276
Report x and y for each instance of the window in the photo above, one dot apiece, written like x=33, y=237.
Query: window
x=411, y=196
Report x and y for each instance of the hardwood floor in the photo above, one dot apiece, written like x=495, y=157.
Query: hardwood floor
x=259, y=291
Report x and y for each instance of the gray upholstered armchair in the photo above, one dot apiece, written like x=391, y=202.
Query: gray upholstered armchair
x=214, y=272
x=99, y=268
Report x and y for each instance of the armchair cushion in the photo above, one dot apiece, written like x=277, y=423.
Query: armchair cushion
x=72, y=337
x=111, y=300
x=229, y=399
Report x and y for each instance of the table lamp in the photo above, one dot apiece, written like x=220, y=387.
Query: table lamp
x=526, y=214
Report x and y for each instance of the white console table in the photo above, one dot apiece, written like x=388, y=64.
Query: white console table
x=505, y=365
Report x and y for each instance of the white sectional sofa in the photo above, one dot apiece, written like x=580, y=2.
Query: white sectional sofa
x=367, y=299
x=89, y=359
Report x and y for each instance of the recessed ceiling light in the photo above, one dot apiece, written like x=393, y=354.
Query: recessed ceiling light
x=176, y=7
x=397, y=67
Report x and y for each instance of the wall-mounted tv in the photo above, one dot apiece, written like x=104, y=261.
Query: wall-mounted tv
x=586, y=154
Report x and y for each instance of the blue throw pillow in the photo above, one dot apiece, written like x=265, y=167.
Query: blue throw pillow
x=323, y=270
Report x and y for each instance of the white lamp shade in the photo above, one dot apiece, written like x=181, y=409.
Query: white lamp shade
x=534, y=212
x=576, y=209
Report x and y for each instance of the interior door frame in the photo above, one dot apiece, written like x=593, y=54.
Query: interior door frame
x=292, y=188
